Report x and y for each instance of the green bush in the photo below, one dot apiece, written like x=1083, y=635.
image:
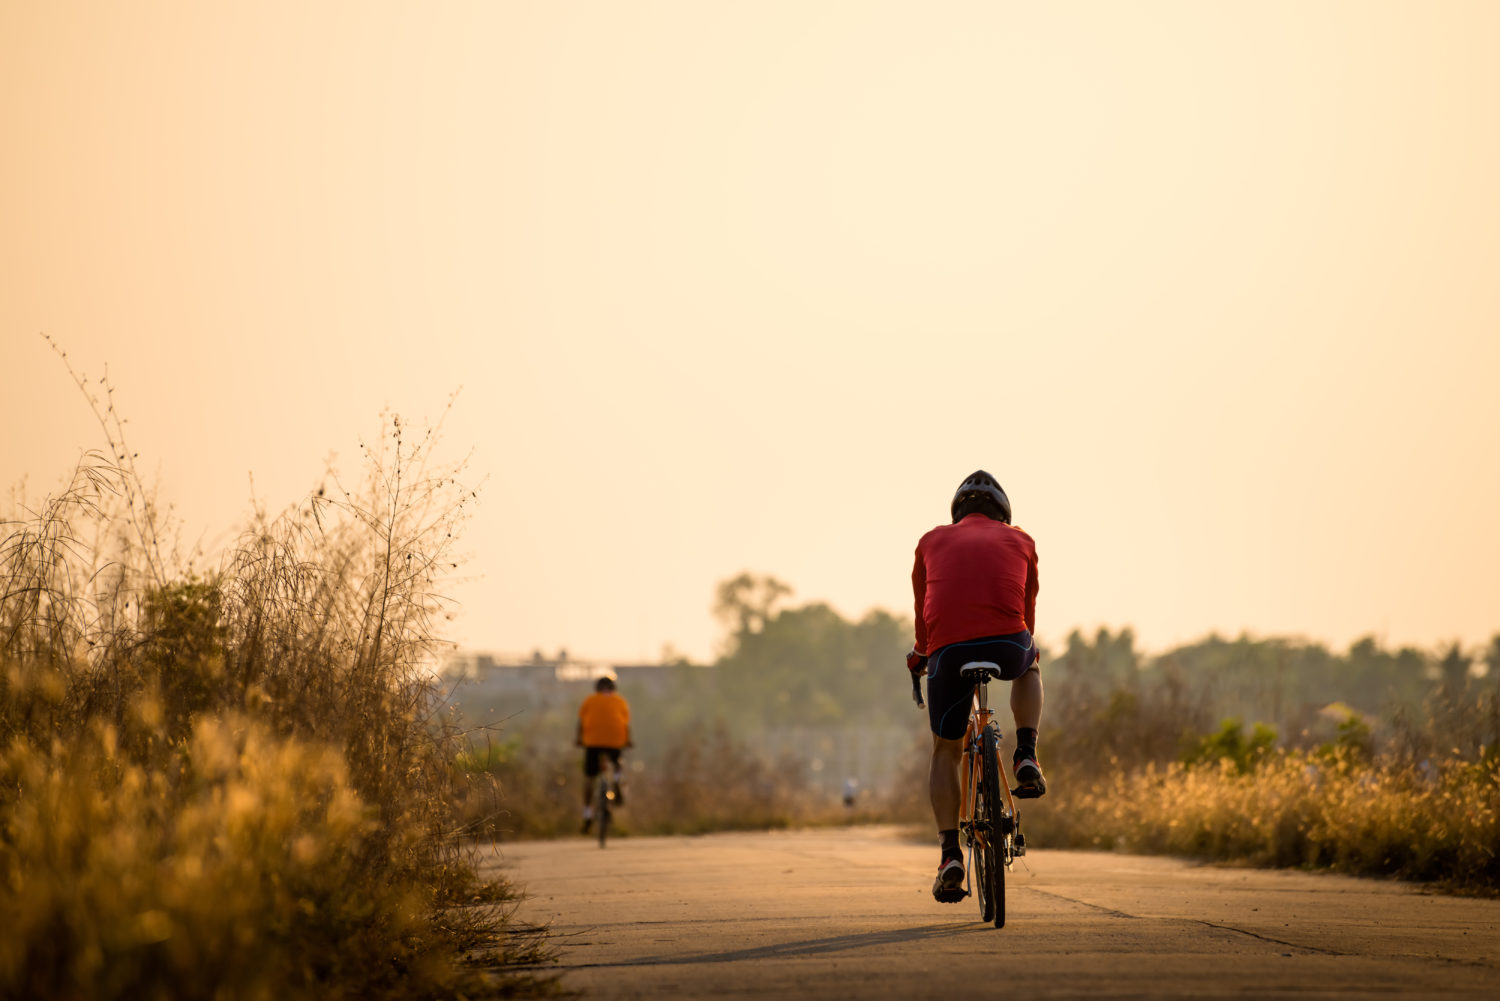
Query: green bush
x=1230, y=743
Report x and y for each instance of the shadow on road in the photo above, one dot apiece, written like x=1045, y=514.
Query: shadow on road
x=811, y=947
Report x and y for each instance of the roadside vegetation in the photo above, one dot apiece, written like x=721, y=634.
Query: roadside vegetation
x=1264, y=751
x=1399, y=777
x=1296, y=809
x=230, y=782
x=702, y=761
x=706, y=781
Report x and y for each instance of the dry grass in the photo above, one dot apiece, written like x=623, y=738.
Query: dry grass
x=1435, y=824
x=1135, y=763
x=706, y=781
x=230, y=784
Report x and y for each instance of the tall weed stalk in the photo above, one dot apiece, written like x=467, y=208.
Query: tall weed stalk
x=232, y=783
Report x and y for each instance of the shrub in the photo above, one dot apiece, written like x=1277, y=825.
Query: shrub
x=1230, y=744
x=250, y=871
x=231, y=784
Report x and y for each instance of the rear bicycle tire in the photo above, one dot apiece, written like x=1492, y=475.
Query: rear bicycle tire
x=601, y=808
x=991, y=877
x=984, y=861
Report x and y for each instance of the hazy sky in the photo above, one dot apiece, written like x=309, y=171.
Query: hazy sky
x=1213, y=289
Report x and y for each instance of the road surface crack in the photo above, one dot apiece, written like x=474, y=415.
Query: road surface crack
x=1268, y=938
x=784, y=950
x=1084, y=903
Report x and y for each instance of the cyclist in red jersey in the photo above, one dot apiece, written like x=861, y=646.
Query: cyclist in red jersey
x=975, y=584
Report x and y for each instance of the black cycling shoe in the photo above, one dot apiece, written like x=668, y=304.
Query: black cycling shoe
x=948, y=888
x=588, y=822
x=1029, y=781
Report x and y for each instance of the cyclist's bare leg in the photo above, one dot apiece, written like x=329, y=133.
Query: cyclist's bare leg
x=947, y=757
x=943, y=780
x=1026, y=699
x=1026, y=706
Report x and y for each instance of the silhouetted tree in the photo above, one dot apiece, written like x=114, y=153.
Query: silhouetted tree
x=744, y=603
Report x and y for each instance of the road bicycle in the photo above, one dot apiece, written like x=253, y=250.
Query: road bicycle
x=988, y=822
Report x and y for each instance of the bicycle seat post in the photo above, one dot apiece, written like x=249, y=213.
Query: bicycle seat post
x=981, y=671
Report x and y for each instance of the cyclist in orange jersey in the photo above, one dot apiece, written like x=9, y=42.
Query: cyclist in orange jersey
x=603, y=731
x=975, y=584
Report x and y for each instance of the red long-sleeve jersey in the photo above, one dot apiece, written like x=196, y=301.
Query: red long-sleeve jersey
x=973, y=579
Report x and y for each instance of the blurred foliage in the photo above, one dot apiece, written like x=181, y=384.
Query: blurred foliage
x=1375, y=762
x=1437, y=821
x=1231, y=745
x=781, y=668
x=707, y=781
x=231, y=784
x=1185, y=736
x=806, y=665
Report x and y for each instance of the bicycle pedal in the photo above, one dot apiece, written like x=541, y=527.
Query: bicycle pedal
x=1028, y=792
x=953, y=896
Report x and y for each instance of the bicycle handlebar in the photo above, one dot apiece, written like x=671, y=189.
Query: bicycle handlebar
x=916, y=689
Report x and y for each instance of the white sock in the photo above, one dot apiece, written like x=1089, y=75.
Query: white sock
x=588, y=813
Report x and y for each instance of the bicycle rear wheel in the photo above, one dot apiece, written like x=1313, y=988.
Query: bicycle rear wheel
x=983, y=865
x=989, y=873
x=601, y=808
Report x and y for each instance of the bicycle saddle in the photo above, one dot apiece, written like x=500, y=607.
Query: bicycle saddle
x=987, y=668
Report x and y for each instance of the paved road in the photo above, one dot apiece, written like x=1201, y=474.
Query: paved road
x=846, y=913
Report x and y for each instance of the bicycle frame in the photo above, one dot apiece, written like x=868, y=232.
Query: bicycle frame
x=993, y=832
x=604, y=796
x=980, y=716
x=997, y=840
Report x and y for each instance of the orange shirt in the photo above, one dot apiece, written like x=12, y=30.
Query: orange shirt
x=604, y=720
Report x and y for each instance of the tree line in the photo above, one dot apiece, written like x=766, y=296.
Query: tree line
x=784, y=663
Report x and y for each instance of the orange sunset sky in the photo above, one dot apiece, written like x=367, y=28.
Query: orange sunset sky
x=1212, y=288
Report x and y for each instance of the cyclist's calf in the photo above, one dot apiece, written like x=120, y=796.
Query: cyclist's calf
x=947, y=756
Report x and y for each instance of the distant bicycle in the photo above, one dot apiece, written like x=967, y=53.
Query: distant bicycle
x=603, y=733
x=606, y=797
x=988, y=821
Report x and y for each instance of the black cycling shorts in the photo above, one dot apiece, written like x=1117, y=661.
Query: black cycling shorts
x=949, y=695
x=591, y=757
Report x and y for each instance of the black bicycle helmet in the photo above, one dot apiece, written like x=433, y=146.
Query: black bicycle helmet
x=981, y=493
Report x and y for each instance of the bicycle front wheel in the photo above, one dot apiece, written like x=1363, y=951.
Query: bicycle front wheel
x=989, y=873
